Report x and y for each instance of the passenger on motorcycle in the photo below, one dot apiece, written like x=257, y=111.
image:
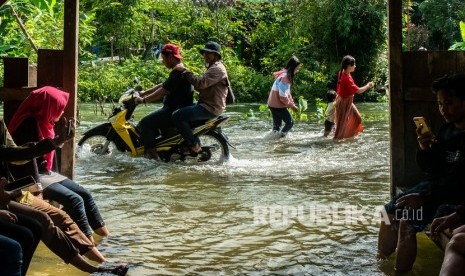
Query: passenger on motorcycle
x=212, y=88
x=176, y=93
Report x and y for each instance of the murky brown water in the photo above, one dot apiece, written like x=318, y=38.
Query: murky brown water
x=279, y=207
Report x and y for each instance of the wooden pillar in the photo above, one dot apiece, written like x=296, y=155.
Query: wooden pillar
x=70, y=69
x=15, y=76
x=396, y=93
x=50, y=67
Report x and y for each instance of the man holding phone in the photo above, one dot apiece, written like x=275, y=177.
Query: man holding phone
x=442, y=157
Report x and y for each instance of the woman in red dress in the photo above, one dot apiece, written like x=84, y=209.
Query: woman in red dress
x=348, y=120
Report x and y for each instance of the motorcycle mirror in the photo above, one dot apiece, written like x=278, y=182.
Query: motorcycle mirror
x=137, y=81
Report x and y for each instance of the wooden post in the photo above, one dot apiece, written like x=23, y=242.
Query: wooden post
x=15, y=77
x=50, y=67
x=70, y=61
x=396, y=92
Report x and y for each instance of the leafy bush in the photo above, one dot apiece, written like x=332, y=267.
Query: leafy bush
x=461, y=44
x=258, y=38
x=108, y=80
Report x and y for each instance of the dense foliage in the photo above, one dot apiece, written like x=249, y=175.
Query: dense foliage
x=460, y=45
x=434, y=24
x=258, y=37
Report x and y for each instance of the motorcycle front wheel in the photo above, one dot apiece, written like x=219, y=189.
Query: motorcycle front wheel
x=96, y=145
x=214, y=148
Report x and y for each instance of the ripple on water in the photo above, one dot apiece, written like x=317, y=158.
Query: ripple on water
x=202, y=219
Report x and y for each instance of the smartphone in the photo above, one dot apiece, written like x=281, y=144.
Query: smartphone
x=70, y=123
x=20, y=184
x=420, y=121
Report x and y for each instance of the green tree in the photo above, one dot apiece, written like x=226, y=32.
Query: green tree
x=339, y=27
x=43, y=21
x=460, y=45
x=258, y=37
x=442, y=19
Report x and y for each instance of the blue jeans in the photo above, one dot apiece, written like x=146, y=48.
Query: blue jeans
x=27, y=232
x=11, y=257
x=280, y=115
x=183, y=116
x=78, y=203
x=151, y=124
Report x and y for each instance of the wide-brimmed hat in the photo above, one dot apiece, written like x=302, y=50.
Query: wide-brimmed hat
x=171, y=49
x=212, y=47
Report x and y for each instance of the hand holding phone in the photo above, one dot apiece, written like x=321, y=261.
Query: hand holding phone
x=65, y=130
x=420, y=122
x=424, y=135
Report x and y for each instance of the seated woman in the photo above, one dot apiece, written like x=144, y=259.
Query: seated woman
x=34, y=121
x=58, y=231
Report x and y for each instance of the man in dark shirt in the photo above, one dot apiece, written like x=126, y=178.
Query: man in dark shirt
x=176, y=92
x=442, y=157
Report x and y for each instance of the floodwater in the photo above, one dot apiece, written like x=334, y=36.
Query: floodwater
x=303, y=205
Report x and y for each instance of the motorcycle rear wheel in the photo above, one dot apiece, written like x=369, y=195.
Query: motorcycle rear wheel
x=96, y=144
x=214, y=148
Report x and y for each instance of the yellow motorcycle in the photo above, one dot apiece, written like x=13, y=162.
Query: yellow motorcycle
x=121, y=134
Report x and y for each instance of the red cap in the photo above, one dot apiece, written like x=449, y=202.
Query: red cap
x=171, y=49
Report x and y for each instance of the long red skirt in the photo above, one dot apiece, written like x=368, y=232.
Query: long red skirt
x=348, y=120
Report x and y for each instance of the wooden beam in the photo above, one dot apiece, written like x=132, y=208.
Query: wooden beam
x=12, y=98
x=15, y=94
x=70, y=61
x=15, y=72
x=50, y=67
x=396, y=93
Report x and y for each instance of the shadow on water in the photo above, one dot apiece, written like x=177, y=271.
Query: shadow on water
x=279, y=206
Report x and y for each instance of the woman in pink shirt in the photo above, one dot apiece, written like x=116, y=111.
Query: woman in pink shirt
x=348, y=120
x=280, y=97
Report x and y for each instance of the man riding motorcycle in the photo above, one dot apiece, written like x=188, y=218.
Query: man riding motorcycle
x=176, y=93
